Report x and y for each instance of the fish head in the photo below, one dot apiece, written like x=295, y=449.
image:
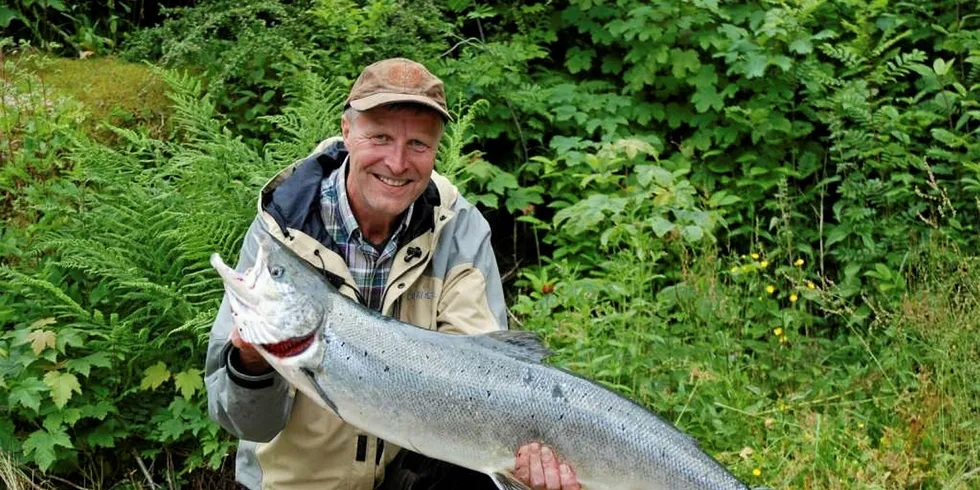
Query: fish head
x=279, y=304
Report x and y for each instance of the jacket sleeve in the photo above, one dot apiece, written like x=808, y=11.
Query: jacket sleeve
x=472, y=297
x=253, y=408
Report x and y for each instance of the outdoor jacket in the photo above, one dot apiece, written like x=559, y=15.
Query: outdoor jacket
x=444, y=277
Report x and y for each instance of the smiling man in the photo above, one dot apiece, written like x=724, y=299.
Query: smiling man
x=368, y=210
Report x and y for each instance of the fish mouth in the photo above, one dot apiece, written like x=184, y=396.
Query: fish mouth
x=291, y=347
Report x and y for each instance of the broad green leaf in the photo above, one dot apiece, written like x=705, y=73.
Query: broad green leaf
x=661, y=226
x=684, y=61
x=188, y=382
x=70, y=337
x=43, y=322
x=62, y=385
x=27, y=393
x=647, y=173
x=940, y=66
x=154, y=376
x=755, y=65
x=83, y=365
x=8, y=439
x=41, y=340
x=97, y=411
x=40, y=446
x=692, y=234
x=801, y=46
x=6, y=16
x=836, y=234
x=578, y=59
x=707, y=97
x=173, y=429
x=102, y=436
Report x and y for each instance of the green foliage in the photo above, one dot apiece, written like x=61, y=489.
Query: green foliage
x=252, y=53
x=107, y=324
x=72, y=27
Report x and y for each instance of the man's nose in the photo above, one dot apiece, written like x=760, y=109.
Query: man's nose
x=398, y=159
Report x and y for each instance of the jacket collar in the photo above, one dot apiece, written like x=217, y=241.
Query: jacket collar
x=292, y=197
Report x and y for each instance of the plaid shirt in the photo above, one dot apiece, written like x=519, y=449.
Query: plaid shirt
x=368, y=265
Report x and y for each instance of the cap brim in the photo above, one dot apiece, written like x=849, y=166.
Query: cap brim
x=372, y=101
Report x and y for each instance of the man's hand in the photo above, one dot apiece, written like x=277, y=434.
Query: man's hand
x=538, y=467
x=252, y=361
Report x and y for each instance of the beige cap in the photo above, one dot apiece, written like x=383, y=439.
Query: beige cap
x=398, y=80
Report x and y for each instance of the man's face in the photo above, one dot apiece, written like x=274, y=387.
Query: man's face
x=392, y=153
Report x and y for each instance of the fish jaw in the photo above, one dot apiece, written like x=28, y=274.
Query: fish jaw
x=270, y=314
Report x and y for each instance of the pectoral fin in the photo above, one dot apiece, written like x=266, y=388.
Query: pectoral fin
x=505, y=481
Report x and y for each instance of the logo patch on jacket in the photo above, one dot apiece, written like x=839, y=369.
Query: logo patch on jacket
x=414, y=295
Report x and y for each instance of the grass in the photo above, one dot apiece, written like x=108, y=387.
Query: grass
x=892, y=404
x=109, y=90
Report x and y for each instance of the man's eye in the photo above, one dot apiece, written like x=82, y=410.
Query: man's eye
x=379, y=139
x=277, y=272
x=418, y=145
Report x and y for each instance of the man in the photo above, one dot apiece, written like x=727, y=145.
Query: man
x=368, y=210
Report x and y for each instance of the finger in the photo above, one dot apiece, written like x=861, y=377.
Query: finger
x=549, y=464
x=568, y=480
x=522, y=468
x=537, y=472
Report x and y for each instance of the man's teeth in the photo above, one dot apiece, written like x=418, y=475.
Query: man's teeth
x=392, y=182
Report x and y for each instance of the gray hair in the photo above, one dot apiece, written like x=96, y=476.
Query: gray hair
x=350, y=113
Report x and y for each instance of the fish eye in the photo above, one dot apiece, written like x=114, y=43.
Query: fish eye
x=277, y=271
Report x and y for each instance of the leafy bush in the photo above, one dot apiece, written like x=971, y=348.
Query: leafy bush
x=252, y=52
x=109, y=326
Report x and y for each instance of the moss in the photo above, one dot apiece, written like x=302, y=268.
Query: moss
x=114, y=91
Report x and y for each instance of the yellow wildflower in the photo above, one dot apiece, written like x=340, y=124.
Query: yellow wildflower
x=810, y=285
x=798, y=263
x=764, y=264
x=778, y=331
x=735, y=270
x=757, y=472
x=860, y=425
x=793, y=298
x=770, y=289
x=755, y=256
x=783, y=340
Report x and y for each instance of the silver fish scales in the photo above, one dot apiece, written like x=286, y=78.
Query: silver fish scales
x=467, y=400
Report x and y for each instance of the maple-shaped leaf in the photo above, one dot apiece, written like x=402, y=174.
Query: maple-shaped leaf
x=62, y=385
x=102, y=436
x=43, y=322
x=188, y=382
x=41, y=339
x=83, y=365
x=707, y=97
x=70, y=337
x=172, y=429
x=27, y=393
x=684, y=60
x=40, y=446
x=755, y=65
x=99, y=410
x=154, y=376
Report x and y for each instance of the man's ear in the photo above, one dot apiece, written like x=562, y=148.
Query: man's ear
x=345, y=130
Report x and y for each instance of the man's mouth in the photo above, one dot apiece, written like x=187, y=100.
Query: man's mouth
x=392, y=182
x=291, y=347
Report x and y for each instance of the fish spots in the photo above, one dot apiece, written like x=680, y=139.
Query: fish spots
x=387, y=369
x=488, y=393
x=557, y=393
x=365, y=353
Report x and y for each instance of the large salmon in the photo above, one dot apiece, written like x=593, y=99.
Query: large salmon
x=468, y=400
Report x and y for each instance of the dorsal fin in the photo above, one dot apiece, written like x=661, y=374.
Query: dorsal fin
x=520, y=344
